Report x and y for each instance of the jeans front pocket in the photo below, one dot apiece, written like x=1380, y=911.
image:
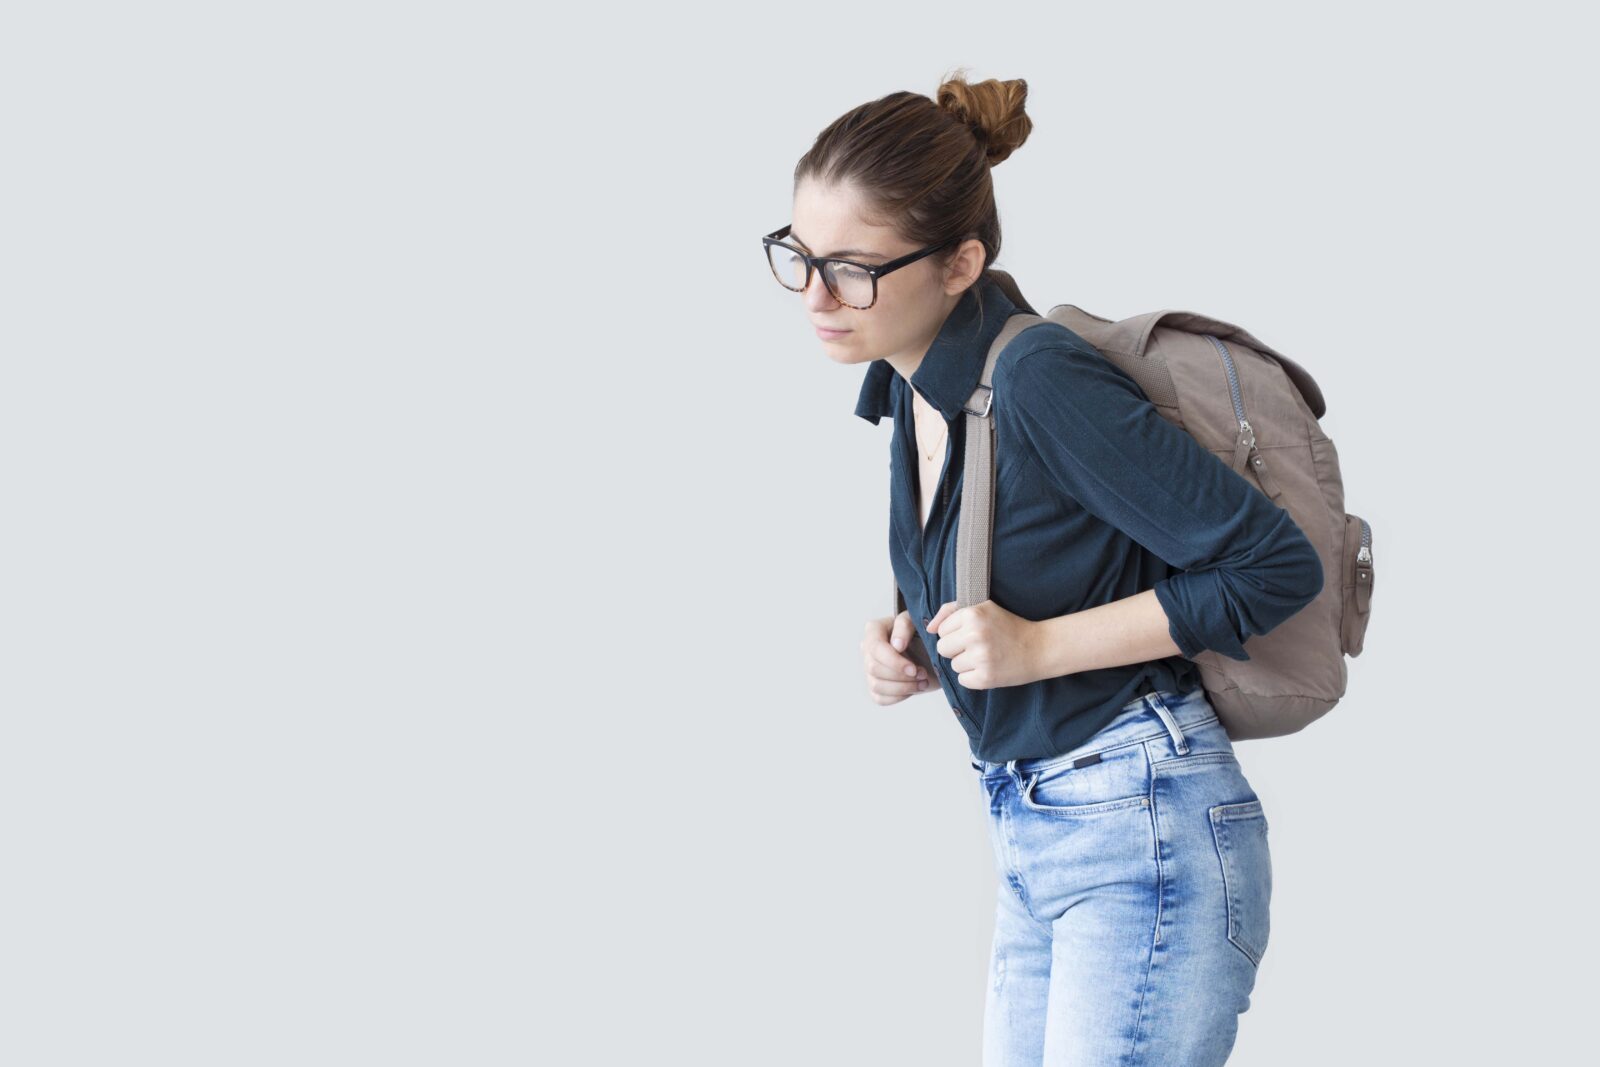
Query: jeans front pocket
x=1098, y=782
x=1240, y=833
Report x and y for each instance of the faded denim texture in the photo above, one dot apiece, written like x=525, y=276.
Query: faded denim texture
x=1135, y=891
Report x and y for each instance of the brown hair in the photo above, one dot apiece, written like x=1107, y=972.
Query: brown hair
x=922, y=164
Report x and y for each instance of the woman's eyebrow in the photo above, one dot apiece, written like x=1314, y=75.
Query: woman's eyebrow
x=840, y=252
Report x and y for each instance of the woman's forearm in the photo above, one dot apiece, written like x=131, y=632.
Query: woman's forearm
x=1130, y=630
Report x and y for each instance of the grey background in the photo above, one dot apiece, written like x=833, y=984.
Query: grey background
x=435, y=550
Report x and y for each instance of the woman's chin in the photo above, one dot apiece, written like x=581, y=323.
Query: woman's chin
x=844, y=354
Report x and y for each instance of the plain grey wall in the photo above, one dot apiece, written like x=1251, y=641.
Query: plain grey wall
x=436, y=551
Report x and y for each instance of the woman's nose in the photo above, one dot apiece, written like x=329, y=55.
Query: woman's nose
x=817, y=296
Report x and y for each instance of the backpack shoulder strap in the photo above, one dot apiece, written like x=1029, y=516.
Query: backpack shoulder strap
x=975, y=524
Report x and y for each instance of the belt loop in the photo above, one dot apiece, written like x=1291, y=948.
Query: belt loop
x=1179, y=742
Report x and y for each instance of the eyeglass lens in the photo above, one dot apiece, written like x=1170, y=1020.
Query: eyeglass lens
x=849, y=285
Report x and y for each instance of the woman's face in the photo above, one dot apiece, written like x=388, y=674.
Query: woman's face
x=913, y=302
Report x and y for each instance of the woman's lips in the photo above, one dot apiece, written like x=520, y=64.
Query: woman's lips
x=829, y=335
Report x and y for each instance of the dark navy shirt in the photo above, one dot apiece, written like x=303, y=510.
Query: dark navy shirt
x=1097, y=497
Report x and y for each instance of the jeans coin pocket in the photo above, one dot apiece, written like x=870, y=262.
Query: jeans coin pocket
x=1240, y=833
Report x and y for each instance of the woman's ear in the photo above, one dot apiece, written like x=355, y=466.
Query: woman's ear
x=966, y=266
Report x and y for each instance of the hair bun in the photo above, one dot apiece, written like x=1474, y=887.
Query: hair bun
x=992, y=109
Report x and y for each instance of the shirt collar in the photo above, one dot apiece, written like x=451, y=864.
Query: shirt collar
x=953, y=366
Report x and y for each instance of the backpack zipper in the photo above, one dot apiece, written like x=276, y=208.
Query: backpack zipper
x=1245, y=430
x=1245, y=446
x=1363, y=576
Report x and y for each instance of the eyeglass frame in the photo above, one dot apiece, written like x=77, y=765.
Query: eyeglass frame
x=815, y=263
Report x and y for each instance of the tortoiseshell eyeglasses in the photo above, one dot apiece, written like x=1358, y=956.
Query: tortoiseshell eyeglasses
x=853, y=284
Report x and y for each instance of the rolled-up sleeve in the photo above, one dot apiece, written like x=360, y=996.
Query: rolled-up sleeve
x=1244, y=566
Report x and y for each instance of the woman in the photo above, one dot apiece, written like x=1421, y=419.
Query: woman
x=1135, y=878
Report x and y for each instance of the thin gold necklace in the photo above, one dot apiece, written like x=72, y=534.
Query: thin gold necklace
x=928, y=453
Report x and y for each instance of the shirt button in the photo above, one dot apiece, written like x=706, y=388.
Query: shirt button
x=926, y=619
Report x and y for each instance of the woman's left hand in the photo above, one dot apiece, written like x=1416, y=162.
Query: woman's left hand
x=987, y=646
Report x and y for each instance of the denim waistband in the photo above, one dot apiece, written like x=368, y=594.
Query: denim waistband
x=1146, y=716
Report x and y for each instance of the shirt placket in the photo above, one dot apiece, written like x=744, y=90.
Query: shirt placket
x=920, y=547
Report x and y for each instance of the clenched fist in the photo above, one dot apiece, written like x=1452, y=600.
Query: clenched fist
x=987, y=646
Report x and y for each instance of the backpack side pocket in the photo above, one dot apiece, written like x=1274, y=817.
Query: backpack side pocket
x=1356, y=584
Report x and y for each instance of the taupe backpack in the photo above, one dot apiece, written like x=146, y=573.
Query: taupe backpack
x=1257, y=411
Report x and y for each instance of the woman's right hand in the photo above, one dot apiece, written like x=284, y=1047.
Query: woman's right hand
x=891, y=674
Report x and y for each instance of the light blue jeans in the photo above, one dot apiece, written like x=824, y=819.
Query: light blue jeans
x=1135, y=884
